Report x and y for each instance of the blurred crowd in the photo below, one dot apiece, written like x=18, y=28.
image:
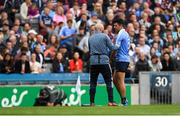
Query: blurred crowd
x=34, y=33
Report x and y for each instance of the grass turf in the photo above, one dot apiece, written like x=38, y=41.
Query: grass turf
x=98, y=110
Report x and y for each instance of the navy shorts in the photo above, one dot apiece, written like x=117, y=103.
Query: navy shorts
x=121, y=66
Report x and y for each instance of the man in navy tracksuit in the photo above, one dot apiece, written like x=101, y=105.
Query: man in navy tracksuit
x=100, y=46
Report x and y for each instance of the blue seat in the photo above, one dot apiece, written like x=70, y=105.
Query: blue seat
x=49, y=78
x=61, y=78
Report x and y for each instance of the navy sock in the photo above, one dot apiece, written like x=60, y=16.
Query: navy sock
x=123, y=99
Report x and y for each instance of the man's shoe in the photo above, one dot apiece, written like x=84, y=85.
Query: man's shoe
x=112, y=104
x=92, y=104
x=125, y=103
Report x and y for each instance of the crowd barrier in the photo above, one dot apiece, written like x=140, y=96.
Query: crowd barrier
x=47, y=78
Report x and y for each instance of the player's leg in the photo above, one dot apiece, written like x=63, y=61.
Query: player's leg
x=121, y=85
x=116, y=82
x=94, y=72
x=119, y=78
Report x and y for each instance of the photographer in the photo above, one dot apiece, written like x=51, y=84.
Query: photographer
x=50, y=96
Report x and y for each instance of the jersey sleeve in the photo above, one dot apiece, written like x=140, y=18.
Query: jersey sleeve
x=118, y=40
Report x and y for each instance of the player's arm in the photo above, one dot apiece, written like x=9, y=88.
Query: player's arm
x=113, y=49
x=112, y=55
x=110, y=45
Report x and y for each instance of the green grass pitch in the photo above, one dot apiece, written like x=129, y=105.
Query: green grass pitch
x=97, y=110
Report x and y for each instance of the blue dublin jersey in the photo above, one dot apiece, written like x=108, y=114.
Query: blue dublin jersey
x=123, y=43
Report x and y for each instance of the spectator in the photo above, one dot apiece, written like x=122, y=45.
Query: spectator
x=109, y=18
x=8, y=64
x=64, y=51
x=84, y=48
x=51, y=48
x=1, y=63
x=156, y=39
x=5, y=30
x=157, y=12
x=144, y=20
x=57, y=29
x=50, y=5
x=177, y=62
x=155, y=64
x=17, y=22
x=24, y=49
x=32, y=38
x=1, y=5
x=80, y=36
x=2, y=44
x=93, y=19
x=24, y=9
x=169, y=40
x=132, y=35
x=172, y=30
x=34, y=65
x=141, y=65
x=109, y=31
x=39, y=41
x=5, y=19
x=142, y=46
x=15, y=44
x=75, y=10
x=40, y=4
x=9, y=47
x=76, y=64
x=69, y=16
x=17, y=30
x=98, y=9
x=90, y=4
x=22, y=66
x=171, y=49
x=157, y=25
x=83, y=11
x=67, y=35
x=147, y=9
x=136, y=28
x=27, y=27
x=167, y=63
x=12, y=7
x=23, y=39
x=59, y=65
x=39, y=55
x=105, y=5
x=59, y=15
x=132, y=18
x=33, y=11
x=82, y=2
x=82, y=22
x=113, y=6
x=177, y=47
x=46, y=22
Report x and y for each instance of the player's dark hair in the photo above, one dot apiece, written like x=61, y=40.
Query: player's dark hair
x=119, y=21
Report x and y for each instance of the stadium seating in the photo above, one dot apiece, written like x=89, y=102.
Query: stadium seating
x=49, y=78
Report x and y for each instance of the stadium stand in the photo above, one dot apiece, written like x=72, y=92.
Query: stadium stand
x=153, y=26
